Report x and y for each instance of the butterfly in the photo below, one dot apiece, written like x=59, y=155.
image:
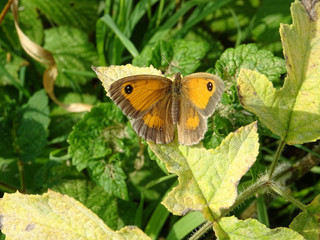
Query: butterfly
x=157, y=104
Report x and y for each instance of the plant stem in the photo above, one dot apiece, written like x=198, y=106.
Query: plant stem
x=276, y=158
x=288, y=197
x=6, y=188
x=246, y=194
x=21, y=176
x=202, y=230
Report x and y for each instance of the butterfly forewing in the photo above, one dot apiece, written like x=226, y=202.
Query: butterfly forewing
x=204, y=91
x=136, y=94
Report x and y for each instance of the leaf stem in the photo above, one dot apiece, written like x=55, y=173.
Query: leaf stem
x=246, y=194
x=276, y=158
x=287, y=196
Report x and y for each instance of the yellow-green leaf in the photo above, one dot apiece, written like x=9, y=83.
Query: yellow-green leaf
x=308, y=223
x=208, y=179
x=55, y=216
x=292, y=112
x=232, y=228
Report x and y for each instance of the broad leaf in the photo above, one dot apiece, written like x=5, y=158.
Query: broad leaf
x=208, y=179
x=55, y=216
x=293, y=112
x=115, y=212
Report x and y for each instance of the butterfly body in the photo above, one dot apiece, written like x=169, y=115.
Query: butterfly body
x=156, y=105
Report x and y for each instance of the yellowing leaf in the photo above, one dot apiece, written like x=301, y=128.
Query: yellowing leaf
x=308, y=223
x=208, y=179
x=232, y=228
x=55, y=216
x=292, y=112
x=108, y=75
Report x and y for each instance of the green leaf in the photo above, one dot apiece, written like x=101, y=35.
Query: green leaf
x=99, y=142
x=24, y=130
x=232, y=228
x=179, y=55
x=81, y=14
x=72, y=52
x=208, y=179
x=307, y=223
x=291, y=112
x=54, y=173
x=29, y=21
x=248, y=56
x=185, y=225
x=9, y=69
x=115, y=212
x=55, y=216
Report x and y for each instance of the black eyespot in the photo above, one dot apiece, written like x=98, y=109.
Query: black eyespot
x=161, y=129
x=209, y=86
x=128, y=89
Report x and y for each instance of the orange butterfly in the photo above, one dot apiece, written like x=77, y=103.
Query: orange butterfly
x=156, y=104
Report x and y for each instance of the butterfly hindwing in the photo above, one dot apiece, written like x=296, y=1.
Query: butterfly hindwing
x=191, y=125
x=156, y=124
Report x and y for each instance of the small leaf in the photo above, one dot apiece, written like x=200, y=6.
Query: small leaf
x=232, y=228
x=308, y=223
x=248, y=56
x=81, y=14
x=293, y=112
x=99, y=142
x=208, y=179
x=267, y=18
x=55, y=216
x=72, y=52
x=9, y=70
x=182, y=55
x=25, y=129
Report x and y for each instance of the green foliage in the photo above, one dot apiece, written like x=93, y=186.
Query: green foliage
x=240, y=170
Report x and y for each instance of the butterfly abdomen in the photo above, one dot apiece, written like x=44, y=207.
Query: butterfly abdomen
x=176, y=96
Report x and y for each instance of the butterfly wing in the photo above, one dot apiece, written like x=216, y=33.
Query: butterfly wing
x=191, y=125
x=200, y=94
x=157, y=125
x=148, y=100
x=136, y=94
x=204, y=90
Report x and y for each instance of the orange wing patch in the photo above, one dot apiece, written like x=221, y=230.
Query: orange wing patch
x=200, y=91
x=142, y=94
x=193, y=120
x=153, y=121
